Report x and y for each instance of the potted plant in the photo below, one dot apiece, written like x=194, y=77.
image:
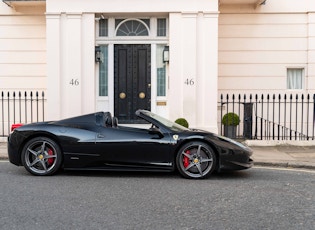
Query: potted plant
x=230, y=121
x=182, y=122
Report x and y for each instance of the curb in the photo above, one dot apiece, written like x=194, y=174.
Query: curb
x=285, y=165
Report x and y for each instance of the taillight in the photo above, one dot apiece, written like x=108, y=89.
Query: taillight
x=14, y=126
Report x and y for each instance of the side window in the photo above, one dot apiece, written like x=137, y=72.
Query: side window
x=161, y=72
x=161, y=27
x=103, y=28
x=103, y=72
x=295, y=78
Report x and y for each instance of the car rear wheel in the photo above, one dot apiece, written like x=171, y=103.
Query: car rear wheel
x=196, y=160
x=41, y=156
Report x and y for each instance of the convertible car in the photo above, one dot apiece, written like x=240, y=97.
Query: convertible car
x=96, y=142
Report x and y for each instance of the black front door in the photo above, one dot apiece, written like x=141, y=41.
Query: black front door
x=132, y=79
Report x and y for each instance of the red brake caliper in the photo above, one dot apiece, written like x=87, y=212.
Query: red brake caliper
x=50, y=160
x=186, y=159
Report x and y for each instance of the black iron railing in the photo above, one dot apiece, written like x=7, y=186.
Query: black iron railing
x=262, y=117
x=17, y=107
x=271, y=117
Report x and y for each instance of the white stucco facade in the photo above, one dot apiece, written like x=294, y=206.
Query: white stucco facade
x=215, y=47
x=192, y=36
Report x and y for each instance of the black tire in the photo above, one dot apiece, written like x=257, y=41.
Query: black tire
x=41, y=156
x=196, y=160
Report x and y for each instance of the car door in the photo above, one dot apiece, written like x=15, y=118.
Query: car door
x=133, y=147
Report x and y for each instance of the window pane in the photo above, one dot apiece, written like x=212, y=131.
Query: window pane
x=103, y=73
x=161, y=27
x=132, y=28
x=295, y=78
x=103, y=28
x=161, y=71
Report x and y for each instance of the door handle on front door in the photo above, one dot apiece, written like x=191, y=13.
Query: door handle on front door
x=142, y=95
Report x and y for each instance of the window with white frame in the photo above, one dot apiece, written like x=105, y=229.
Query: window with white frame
x=132, y=27
x=161, y=72
x=161, y=27
x=295, y=78
x=103, y=72
x=103, y=27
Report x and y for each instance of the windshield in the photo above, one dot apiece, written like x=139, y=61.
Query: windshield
x=169, y=124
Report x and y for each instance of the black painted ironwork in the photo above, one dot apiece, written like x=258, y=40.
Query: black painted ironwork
x=271, y=117
x=16, y=108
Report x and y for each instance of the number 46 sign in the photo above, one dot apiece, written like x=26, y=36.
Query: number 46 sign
x=74, y=82
x=189, y=81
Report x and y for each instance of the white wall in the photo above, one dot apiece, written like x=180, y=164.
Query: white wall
x=256, y=46
x=193, y=55
x=134, y=6
x=22, y=49
x=71, y=66
x=193, y=68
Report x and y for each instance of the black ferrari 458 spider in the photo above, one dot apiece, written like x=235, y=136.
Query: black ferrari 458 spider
x=96, y=142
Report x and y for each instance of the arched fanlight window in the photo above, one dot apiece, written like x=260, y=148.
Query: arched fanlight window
x=132, y=27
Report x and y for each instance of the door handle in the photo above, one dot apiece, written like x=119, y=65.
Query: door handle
x=122, y=95
x=142, y=95
x=100, y=135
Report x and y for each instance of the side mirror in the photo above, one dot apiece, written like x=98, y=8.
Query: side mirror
x=156, y=131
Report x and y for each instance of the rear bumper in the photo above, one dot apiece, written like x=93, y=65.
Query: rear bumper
x=13, y=153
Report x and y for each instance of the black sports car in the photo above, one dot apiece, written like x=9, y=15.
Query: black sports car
x=96, y=142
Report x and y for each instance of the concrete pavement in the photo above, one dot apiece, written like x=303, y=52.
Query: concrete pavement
x=287, y=155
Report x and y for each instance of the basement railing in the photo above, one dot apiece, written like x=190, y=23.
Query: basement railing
x=270, y=117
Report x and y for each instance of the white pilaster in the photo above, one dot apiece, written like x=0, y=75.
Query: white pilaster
x=71, y=79
x=53, y=66
x=193, y=68
x=88, y=64
x=207, y=61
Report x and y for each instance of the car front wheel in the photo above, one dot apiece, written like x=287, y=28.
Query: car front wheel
x=41, y=156
x=196, y=160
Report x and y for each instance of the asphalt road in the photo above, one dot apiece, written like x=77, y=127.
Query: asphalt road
x=259, y=198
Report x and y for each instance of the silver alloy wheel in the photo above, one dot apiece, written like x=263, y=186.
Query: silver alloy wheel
x=196, y=160
x=41, y=156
